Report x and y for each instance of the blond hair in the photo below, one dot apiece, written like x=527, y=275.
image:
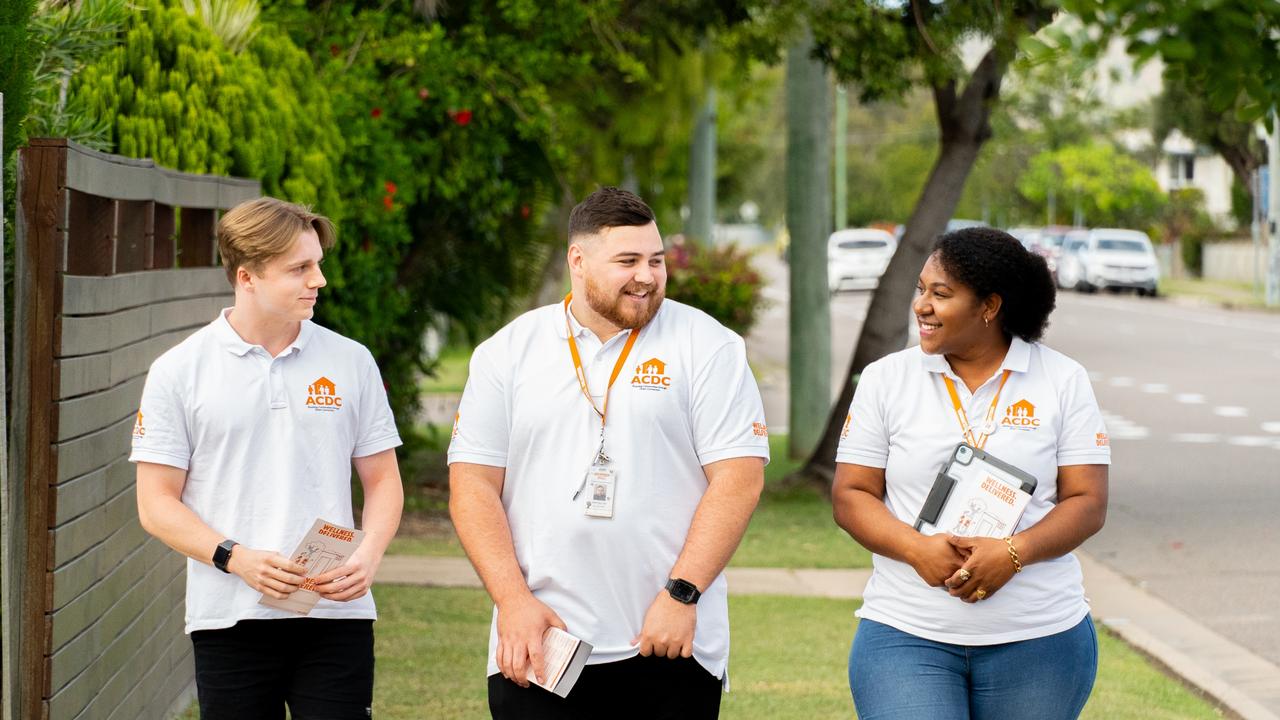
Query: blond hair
x=255, y=231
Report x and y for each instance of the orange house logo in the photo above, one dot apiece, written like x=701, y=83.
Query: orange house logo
x=1021, y=416
x=138, y=430
x=322, y=395
x=651, y=375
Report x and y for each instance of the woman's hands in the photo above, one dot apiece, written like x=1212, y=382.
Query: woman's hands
x=986, y=568
x=935, y=559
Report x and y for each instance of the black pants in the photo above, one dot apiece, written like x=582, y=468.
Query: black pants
x=323, y=669
x=640, y=687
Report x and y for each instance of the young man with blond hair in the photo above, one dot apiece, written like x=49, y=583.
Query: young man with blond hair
x=236, y=459
x=607, y=455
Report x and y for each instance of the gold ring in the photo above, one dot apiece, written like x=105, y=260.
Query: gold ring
x=981, y=593
x=965, y=575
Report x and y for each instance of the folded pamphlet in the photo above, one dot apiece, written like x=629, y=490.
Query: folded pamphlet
x=325, y=547
x=565, y=655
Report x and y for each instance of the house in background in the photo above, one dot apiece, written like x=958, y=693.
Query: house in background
x=1183, y=164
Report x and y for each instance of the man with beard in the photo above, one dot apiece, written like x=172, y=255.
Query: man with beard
x=654, y=401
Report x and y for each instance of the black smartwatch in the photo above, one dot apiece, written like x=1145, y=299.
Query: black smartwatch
x=222, y=555
x=683, y=591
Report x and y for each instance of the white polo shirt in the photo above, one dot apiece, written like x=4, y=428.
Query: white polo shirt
x=902, y=420
x=684, y=399
x=267, y=445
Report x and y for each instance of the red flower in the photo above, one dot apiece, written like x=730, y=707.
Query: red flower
x=388, y=203
x=376, y=112
x=461, y=117
x=423, y=93
x=391, y=187
x=525, y=211
x=334, y=50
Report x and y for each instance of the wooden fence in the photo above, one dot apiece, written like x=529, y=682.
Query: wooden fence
x=115, y=263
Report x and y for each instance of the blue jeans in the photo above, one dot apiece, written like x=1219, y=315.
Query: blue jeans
x=897, y=676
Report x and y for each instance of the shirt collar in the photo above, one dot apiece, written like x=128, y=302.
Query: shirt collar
x=578, y=328
x=1017, y=359
x=231, y=340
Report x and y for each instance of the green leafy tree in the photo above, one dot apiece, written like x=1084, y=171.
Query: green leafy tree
x=1110, y=188
x=885, y=50
x=170, y=90
x=18, y=54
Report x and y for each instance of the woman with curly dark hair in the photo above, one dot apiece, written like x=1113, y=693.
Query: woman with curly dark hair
x=974, y=627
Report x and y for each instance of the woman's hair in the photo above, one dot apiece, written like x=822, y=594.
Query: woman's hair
x=993, y=262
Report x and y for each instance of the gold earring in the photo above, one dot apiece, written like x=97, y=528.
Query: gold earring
x=986, y=321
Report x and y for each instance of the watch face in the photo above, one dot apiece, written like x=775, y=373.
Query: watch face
x=682, y=590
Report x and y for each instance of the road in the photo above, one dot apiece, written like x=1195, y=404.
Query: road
x=1191, y=397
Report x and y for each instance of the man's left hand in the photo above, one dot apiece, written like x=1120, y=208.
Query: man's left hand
x=350, y=580
x=668, y=628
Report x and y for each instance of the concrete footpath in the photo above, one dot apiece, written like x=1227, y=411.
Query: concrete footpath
x=1239, y=680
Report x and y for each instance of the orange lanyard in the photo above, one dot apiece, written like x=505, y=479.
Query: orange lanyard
x=582, y=375
x=980, y=441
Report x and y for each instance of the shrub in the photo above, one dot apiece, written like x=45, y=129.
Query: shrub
x=719, y=281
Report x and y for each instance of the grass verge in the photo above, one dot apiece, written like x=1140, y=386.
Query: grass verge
x=789, y=661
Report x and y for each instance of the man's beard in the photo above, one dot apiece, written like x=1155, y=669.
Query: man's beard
x=620, y=310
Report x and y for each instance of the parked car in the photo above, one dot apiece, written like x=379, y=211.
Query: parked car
x=1068, y=270
x=1028, y=236
x=856, y=258
x=1049, y=244
x=1113, y=259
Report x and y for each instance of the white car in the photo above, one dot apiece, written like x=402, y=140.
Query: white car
x=857, y=258
x=1114, y=259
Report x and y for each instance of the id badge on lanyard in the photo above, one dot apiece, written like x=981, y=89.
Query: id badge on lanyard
x=600, y=480
x=989, y=423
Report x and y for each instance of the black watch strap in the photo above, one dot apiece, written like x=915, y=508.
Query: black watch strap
x=222, y=555
x=683, y=591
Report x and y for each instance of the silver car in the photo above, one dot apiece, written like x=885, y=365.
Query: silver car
x=1113, y=259
x=857, y=258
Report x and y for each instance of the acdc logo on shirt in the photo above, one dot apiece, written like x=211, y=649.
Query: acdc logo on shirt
x=1021, y=416
x=322, y=395
x=138, y=430
x=651, y=375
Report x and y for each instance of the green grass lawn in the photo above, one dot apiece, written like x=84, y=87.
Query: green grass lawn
x=1222, y=292
x=789, y=661
x=450, y=372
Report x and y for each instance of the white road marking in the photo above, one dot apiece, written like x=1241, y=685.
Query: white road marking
x=1204, y=438
x=1231, y=411
x=1155, y=388
x=1095, y=377
x=1121, y=382
x=1271, y=427
x=1189, y=398
x=1120, y=428
x=1250, y=441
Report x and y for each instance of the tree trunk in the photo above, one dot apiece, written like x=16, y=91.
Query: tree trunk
x=964, y=126
x=808, y=221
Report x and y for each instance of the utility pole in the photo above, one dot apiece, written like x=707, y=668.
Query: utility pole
x=808, y=221
x=702, y=160
x=842, y=159
x=1273, y=213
